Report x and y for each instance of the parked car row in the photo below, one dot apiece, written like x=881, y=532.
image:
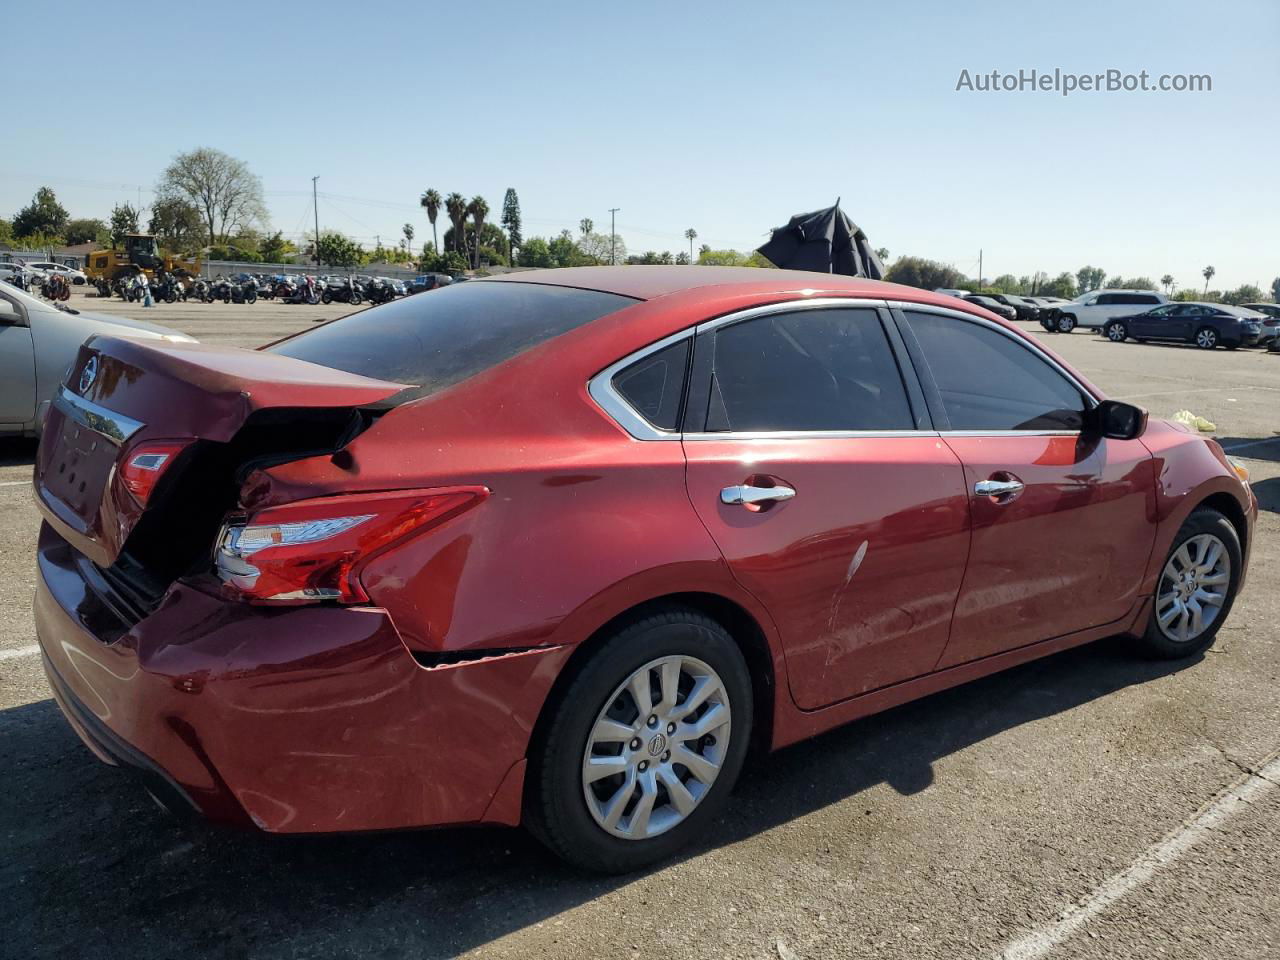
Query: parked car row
x=1008, y=305
x=42, y=269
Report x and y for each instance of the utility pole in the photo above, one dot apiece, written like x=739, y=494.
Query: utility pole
x=613, y=235
x=979, y=269
x=315, y=205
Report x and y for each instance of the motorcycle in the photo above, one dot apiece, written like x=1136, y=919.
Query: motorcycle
x=169, y=289
x=103, y=286
x=201, y=290
x=344, y=291
x=379, y=291
x=55, y=287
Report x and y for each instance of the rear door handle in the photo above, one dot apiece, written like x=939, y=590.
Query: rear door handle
x=998, y=488
x=745, y=494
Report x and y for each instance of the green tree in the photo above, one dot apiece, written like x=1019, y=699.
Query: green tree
x=177, y=225
x=883, y=254
x=925, y=274
x=274, y=248
x=535, y=252
x=511, y=221
x=1207, y=273
x=1005, y=283
x=682, y=259
x=224, y=190
x=1247, y=293
x=586, y=226
x=1187, y=293
x=493, y=244
x=1275, y=289
x=337, y=250
x=690, y=235
x=1090, y=278
x=124, y=220
x=479, y=210
x=6, y=231
x=44, y=214
x=565, y=252
x=1166, y=282
x=408, y=232
x=597, y=248
x=431, y=202
x=1063, y=285
x=85, y=231
x=721, y=258
x=455, y=206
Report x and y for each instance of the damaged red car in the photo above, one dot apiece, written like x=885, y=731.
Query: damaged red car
x=561, y=548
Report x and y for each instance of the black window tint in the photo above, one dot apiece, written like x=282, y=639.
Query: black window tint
x=809, y=370
x=455, y=333
x=1107, y=298
x=654, y=385
x=988, y=381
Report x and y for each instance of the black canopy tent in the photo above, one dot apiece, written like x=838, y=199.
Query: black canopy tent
x=826, y=241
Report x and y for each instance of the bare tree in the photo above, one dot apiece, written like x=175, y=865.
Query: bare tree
x=222, y=188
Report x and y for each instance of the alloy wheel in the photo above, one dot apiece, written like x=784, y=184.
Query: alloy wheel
x=1066, y=324
x=1116, y=332
x=1193, y=588
x=656, y=747
x=1206, y=339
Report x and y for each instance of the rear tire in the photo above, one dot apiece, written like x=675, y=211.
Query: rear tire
x=1206, y=338
x=1066, y=323
x=1196, y=587
x=326, y=298
x=571, y=813
x=1116, y=332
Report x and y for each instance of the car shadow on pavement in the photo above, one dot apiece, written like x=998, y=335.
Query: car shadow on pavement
x=1268, y=493
x=17, y=452
x=90, y=868
x=1251, y=448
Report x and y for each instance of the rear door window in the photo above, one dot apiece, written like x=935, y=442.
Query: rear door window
x=988, y=381
x=810, y=370
x=454, y=333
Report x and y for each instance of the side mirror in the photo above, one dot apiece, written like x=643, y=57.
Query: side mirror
x=9, y=315
x=1118, y=421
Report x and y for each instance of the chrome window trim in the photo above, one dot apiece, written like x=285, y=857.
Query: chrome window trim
x=810, y=434
x=612, y=402
x=789, y=306
x=1092, y=401
x=92, y=416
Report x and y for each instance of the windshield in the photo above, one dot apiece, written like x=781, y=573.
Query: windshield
x=435, y=340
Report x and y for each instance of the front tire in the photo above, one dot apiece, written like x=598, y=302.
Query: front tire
x=1117, y=332
x=1196, y=589
x=1066, y=323
x=644, y=744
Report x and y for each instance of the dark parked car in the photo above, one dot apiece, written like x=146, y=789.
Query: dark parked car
x=1207, y=325
x=995, y=306
x=561, y=548
x=1270, y=326
x=429, y=281
x=1024, y=308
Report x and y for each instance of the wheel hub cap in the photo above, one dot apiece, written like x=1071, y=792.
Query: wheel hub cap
x=1193, y=588
x=656, y=748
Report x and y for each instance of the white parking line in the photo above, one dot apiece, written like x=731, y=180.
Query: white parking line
x=17, y=652
x=1038, y=943
x=15, y=483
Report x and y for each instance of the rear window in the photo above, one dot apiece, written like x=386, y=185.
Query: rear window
x=441, y=338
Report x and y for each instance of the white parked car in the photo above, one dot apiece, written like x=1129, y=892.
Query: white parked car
x=71, y=273
x=1092, y=310
x=38, y=342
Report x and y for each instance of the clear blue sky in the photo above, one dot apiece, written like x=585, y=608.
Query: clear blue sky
x=724, y=117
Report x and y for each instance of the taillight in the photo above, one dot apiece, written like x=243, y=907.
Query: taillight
x=314, y=549
x=146, y=463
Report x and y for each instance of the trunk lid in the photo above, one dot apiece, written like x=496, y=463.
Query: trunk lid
x=235, y=406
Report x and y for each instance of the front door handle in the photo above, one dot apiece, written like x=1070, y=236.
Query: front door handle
x=998, y=488
x=745, y=494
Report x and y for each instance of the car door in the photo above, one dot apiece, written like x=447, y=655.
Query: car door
x=1153, y=324
x=830, y=498
x=17, y=365
x=1061, y=518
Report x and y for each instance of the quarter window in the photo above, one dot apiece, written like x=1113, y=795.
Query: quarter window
x=828, y=369
x=654, y=385
x=989, y=381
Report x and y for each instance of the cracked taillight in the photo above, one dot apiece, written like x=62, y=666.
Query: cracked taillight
x=314, y=550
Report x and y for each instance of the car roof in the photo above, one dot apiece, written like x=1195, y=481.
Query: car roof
x=642, y=282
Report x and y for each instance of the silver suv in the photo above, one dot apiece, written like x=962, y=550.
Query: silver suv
x=1092, y=310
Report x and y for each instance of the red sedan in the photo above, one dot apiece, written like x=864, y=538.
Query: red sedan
x=561, y=547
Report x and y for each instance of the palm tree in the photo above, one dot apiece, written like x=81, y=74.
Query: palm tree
x=478, y=210
x=455, y=205
x=691, y=235
x=430, y=202
x=1167, y=282
x=1208, y=273
x=586, y=225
